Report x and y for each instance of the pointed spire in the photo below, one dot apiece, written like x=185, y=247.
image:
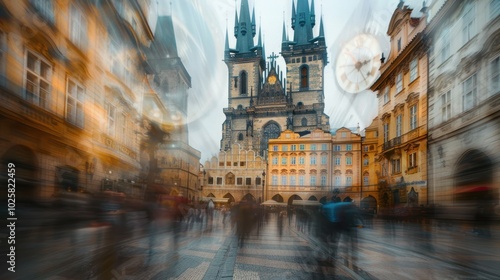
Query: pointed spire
x=259, y=43
x=236, y=23
x=321, y=29
x=313, y=16
x=244, y=42
x=283, y=36
x=253, y=21
x=303, y=32
x=226, y=45
x=294, y=16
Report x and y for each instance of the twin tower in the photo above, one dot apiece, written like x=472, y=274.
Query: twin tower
x=261, y=102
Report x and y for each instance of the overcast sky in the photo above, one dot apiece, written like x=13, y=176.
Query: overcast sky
x=200, y=27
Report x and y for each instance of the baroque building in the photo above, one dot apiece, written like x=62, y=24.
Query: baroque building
x=402, y=113
x=464, y=127
x=261, y=102
x=80, y=84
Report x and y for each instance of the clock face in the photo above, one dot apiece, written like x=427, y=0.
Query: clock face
x=271, y=79
x=358, y=63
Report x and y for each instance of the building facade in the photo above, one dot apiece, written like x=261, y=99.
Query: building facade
x=261, y=102
x=402, y=113
x=74, y=79
x=464, y=127
x=235, y=175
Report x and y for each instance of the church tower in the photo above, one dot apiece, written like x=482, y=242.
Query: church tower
x=306, y=58
x=259, y=106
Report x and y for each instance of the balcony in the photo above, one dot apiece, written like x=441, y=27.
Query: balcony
x=405, y=138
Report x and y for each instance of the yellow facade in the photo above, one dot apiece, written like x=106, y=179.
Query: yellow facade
x=402, y=114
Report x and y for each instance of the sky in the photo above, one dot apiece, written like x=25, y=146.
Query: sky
x=200, y=28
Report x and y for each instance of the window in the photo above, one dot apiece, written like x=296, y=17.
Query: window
x=348, y=147
x=337, y=181
x=293, y=160
x=469, y=93
x=446, y=106
x=219, y=181
x=274, y=180
x=313, y=181
x=366, y=161
x=283, y=180
x=445, y=44
x=324, y=147
x=248, y=181
x=313, y=147
x=399, y=44
x=413, y=69
x=210, y=180
x=294, y=147
x=78, y=27
x=37, y=80
x=275, y=160
x=468, y=20
x=398, y=124
x=344, y=134
x=348, y=181
x=396, y=166
x=275, y=148
x=293, y=180
x=366, y=180
x=313, y=160
x=386, y=95
x=386, y=132
x=337, y=148
x=413, y=117
x=323, y=180
x=45, y=9
x=239, y=181
x=283, y=160
x=348, y=160
x=323, y=160
x=123, y=126
x=303, y=122
x=284, y=148
x=495, y=73
x=304, y=77
x=240, y=137
x=337, y=161
x=365, y=148
x=110, y=114
x=302, y=160
x=243, y=83
x=301, y=180
x=412, y=160
x=75, y=98
x=399, y=82
x=302, y=147
x=258, y=181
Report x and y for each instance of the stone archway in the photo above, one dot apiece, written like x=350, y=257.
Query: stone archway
x=277, y=198
x=248, y=198
x=369, y=204
x=230, y=197
x=292, y=198
x=473, y=177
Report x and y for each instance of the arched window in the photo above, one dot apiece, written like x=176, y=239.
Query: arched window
x=240, y=137
x=270, y=131
x=300, y=105
x=304, y=122
x=243, y=82
x=240, y=107
x=304, y=77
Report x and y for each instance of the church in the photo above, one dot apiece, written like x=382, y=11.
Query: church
x=262, y=102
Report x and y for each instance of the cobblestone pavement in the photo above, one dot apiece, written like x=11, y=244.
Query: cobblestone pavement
x=163, y=251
